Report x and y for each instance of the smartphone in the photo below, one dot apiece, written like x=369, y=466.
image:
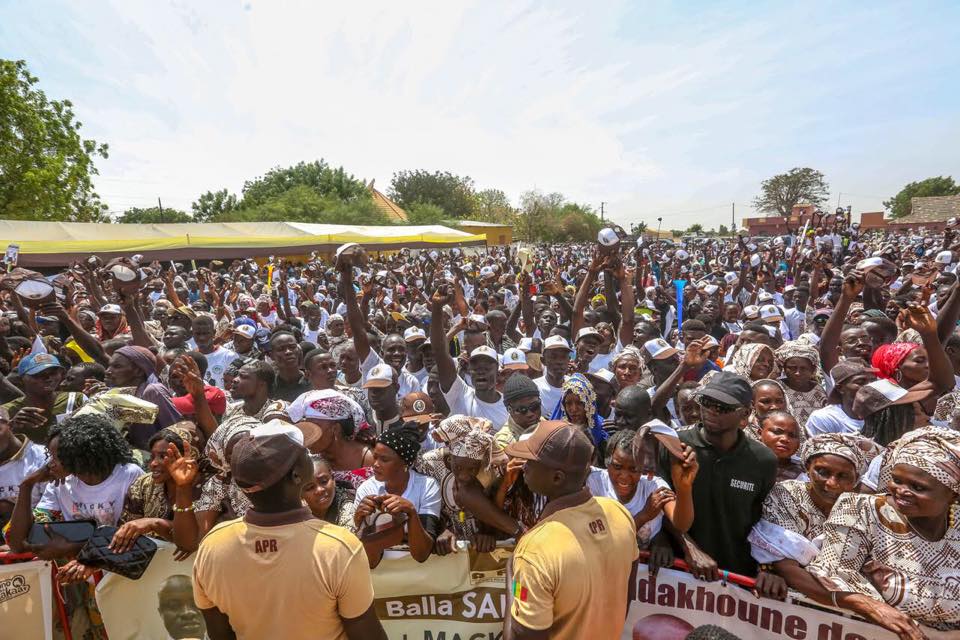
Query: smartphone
x=73, y=531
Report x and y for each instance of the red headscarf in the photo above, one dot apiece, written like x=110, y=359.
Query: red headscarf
x=888, y=358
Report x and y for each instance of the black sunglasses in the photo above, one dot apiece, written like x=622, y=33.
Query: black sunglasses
x=530, y=408
x=713, y=405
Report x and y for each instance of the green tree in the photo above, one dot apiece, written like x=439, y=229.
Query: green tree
x=454, y=194
x=900, y=205
x=493, y=205
x=45, y=165
x=537, y=211
x=303, y=204
x=639, y=228
x=425, y=213
x=695, y=229
x=151, y=215
x=213, y=204
x=723, y=231
x=316, y=175
x=799, y=185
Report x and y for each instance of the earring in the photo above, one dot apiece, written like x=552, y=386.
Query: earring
x=898, y=376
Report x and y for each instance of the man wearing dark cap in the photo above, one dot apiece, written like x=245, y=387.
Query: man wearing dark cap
x=569, y=573
x=278, y=572
x=521, y=396
x=735, y=475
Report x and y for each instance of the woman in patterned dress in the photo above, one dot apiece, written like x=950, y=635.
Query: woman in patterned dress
x=328, y=499
x=801, y=379
x=788, y=535
x=895, y=558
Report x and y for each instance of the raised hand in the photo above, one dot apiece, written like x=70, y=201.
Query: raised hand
x=181, y=468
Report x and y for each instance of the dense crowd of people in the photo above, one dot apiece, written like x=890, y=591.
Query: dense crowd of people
x=782, y=408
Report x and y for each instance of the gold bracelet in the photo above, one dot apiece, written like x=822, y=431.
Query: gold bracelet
x=177, y=509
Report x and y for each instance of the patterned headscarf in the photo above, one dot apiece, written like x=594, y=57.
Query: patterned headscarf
x=803, y=350
x=888, y=358
x=404, y=440
x=326, y=404
x=187, y=434
x=935, y=450
x=579, y=385
x=629, y=351
x=858, y=450
x=754, y=427
x=217, y=444
x=468, y=437
x=746, y=356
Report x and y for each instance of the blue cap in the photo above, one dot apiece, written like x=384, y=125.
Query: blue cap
x=244, y=320
x=262, y=336
x=37, y=362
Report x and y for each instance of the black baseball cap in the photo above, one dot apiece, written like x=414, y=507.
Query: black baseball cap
x=728, y=388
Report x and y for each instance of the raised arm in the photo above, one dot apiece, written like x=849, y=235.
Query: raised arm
x=137, y=329
x=446, y=367
x=627, y=304
x=85, y=341
x=354, y=316
x=583, y=294
x=830, y=337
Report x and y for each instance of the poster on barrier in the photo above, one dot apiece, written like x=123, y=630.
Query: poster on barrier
x=26, y=600
x=672, y=604
x=461, y=595
x=158, y=606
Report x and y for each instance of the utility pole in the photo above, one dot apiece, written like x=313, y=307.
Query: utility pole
x=160, y=204
x=733, y=218
x=602, y=204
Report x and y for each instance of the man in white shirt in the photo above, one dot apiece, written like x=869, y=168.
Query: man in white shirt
x=556, y=363
x=218, y=358
x=480, y=398
x=837, y=417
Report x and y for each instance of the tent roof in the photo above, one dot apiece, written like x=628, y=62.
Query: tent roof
x=60, y=243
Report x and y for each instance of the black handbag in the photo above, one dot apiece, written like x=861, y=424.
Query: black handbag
x=131, y=564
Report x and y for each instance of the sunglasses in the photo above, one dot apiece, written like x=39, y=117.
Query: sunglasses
x=530, y=408
x=713, y=405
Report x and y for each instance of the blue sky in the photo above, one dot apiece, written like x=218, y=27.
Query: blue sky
x=672, y=109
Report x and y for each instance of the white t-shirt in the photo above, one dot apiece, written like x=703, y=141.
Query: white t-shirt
x=832, y=419
x=599, y=484
x=406, y=381
x=550, y=396
x=310, y=335
x=103, y=502
x=217, y=363
x=603, y=360
x=28, y=459
x=794, y=319
x=463, y=400
x=422, y=491
x=422, y=375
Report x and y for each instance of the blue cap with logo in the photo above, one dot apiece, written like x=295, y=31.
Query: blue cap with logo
x=36, y=363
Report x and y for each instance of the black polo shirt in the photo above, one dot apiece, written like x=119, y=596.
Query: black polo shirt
x=728, y=495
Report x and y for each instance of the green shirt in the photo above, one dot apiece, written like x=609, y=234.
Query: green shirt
x=61, y=407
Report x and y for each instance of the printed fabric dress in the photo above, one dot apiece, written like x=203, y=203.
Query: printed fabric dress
x=870, y=548
x=803, y=403
x=791, y=526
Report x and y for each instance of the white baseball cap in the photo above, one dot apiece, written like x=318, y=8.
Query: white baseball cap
x=751, y=310
x=682, y=254
x=514, y=359
x=770, y=312
x=486, y=271
x=556, y=342
x=588, y=331
x=608, y=237
x=245, y=330
x=944, y=257
x=111, y=308
x=710, y=289
x=412, y=334
x=755, y=260
x=603, y=374
x=659, y=349
x=484, y=351
x=764, y=296
x=526, y=345
x=789, y=288
x=380, y=376
x=730, y=277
